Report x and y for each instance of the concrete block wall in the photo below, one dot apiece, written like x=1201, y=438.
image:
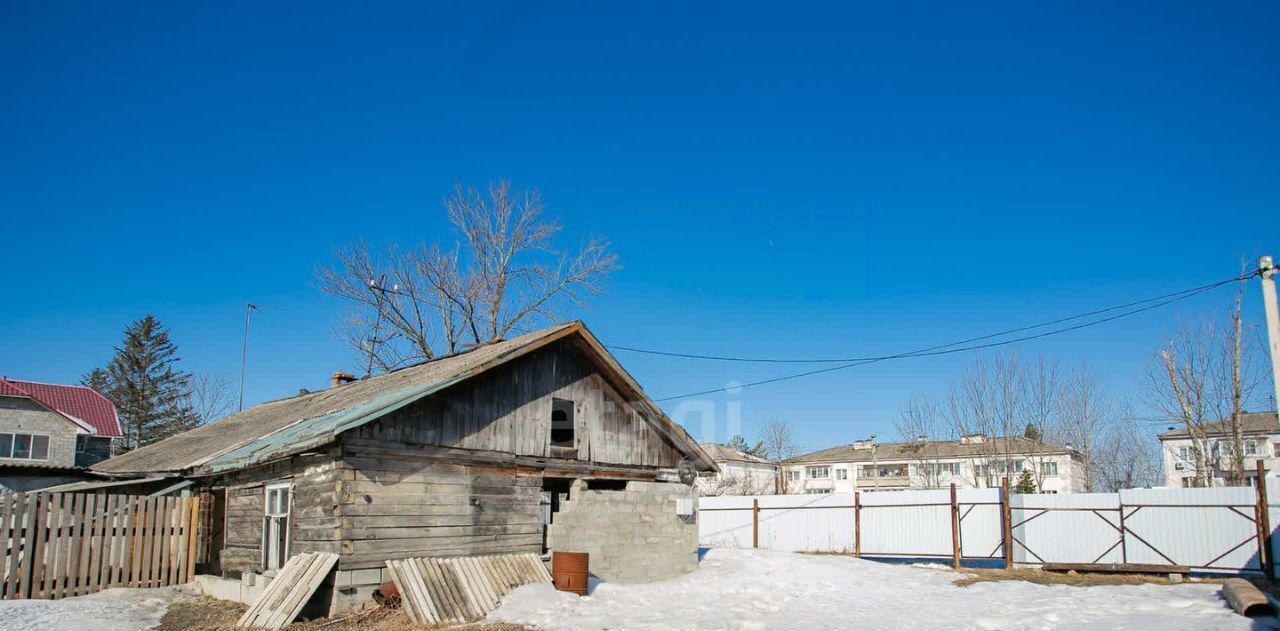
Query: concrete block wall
x=632, y=535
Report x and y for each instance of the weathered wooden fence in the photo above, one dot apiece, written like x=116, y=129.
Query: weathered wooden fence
x=69, y=544
x=1222, y=530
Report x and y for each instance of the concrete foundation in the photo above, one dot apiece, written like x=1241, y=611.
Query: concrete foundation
x=633, y=535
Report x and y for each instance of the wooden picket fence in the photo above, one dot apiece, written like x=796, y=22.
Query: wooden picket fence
x=69, y=544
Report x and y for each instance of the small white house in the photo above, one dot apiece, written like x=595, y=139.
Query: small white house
x=971, y=462
x=1261, y=432
x=740, y=473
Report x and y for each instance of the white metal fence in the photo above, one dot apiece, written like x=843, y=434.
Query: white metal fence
x=1207, y=530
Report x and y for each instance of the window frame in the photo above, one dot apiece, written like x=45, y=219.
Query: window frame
x=31, y=441
x=811, y=473
x=273, y=522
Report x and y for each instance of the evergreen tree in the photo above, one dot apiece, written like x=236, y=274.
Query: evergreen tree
x=1032, y=432
x=738, y=443
x=152, y=395
x=98, y=380
x=1026, y=484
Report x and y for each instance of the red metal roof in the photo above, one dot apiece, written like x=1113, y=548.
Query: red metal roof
x=83, y=406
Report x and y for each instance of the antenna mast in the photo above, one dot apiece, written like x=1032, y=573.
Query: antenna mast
x=244, y=348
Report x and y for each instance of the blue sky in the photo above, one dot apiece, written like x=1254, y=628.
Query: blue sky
x=801, y=181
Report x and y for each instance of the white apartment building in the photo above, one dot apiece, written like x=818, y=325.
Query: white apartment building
x=971, y=462
x=1261, y=442
x=740, y=473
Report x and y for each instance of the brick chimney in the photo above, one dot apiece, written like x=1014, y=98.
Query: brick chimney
x=342, y=378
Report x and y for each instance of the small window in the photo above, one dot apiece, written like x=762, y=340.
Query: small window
x=561, y=423
x=793, y=475
x=1048, y=468
x=6, y=445
x=24, y=446
x=275, y=527
x=1250, y=448
x=842, y=474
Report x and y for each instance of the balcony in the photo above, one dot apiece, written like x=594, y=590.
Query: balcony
x=884, y=482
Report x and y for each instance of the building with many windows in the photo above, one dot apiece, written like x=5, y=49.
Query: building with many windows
x=971, y=462
x=1261, y=442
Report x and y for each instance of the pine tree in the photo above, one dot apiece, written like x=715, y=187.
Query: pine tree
x=1026, y=484
x=98, y=380
x=738, y=443
x=152, y=395
x=1032, y=432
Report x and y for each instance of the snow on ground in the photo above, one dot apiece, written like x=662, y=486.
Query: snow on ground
x=757, y=589
x=117, y=609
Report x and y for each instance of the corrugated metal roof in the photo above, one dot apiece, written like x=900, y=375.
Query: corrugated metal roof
x=889, y=452
x=83, y=407
x=289, y=426
x=1253, y=423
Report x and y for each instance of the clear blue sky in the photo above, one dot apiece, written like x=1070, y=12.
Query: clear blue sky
x=775, y=180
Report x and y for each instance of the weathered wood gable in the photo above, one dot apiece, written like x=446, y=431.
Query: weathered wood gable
x=508, y=409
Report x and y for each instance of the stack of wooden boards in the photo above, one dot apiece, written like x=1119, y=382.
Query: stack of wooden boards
x=461, y=589
x=285, y=597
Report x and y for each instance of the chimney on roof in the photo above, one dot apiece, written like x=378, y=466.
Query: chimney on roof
x=342, y=378
x=922, y=439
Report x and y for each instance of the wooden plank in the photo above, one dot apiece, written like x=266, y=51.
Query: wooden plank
x=75, y=541
x=166, y=536
x=6, y=533
x=54, y=562
x=1117, y=568
x=29, y=545
x=448, y=600
x=193, y=536
x=16, y=544
x=286, y=596
x=38, y=555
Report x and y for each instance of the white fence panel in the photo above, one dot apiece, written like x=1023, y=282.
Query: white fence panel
x=723, y=522
x=1082, y=528
x=1210, y=529
x=1273, y=512
x=906, y=524
x=980, y=520
x=807, y=523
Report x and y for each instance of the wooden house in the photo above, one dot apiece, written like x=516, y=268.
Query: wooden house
x=473, y=453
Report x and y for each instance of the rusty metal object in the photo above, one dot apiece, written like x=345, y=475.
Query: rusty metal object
x=569, y=571
x=387, y=595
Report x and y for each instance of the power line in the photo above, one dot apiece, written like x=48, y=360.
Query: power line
x=1186, y=293
x=951, y=348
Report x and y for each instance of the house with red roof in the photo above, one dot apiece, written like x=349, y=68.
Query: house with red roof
x=50, y=433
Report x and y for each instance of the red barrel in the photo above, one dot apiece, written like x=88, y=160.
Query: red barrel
x=569, y=571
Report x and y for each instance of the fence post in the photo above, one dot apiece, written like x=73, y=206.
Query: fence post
x=755, y=522
x=955, y=528
x=1006, y=524
x=1264, y=525
x=857, y=524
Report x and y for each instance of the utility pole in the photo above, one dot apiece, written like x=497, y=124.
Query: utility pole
x=244, y=349
x=1268, y=272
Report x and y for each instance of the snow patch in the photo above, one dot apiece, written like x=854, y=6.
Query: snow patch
x=758, y=589
x=119, y=609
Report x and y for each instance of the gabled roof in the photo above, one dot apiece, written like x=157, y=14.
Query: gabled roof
x=722, y=453
x=83, y=407
x=931, y=450
x=290, y=426
x=1251, y=423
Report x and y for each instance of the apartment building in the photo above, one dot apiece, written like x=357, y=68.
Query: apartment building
x=973, y=461
x=1261, y=432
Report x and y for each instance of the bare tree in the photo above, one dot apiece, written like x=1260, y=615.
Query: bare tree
x=780, y=444
x=1042, y=408
x=211, y=397
x=1204, y=379
x=408, y=306
x=989, y=400
x=1087, y=411
x=1125, y=457
x=921, y=424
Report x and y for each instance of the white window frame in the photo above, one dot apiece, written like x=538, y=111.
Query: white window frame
x=793, y=475
x=811, y=473
x=842, y=474
x=273, y=520
x=31, y=436
x=1048, y=469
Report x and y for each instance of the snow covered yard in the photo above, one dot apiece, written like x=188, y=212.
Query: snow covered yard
x=108, y=610
x=757, y=589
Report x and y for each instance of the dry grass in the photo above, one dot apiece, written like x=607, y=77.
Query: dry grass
x=1040, y=577
x=211, y=614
